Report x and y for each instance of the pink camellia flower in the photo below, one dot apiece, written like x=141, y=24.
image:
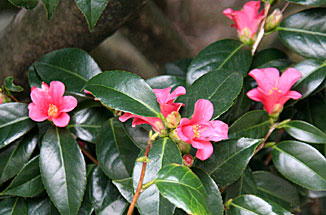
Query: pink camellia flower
x=273, y=91
x=199, y=131
x=165, y=99
x=49, y=103
x=246, y=20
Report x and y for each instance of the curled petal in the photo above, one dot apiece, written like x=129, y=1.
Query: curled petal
x=62, y=120
x=184, y=130
x=162, y=95
x=266, y=78
x=254, y=94
x=288, y=79
x=203, y=111
x=177, y=92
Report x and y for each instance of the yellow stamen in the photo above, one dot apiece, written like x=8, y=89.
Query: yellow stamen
x=274, y=88
x=195, y=129
x=53, y=111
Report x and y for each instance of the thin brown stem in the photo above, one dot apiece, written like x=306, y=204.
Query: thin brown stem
x=261, y=145
x=89, y=155
x=268, y=160
x=261, y=29
x=285, y=6
x=13, y=98
x=141, y=179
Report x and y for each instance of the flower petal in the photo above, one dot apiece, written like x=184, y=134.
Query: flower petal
x=67, y=103
x=36, y=114
x=162, y=94
x=205, y=152
x=56, y=91
x=185, y=133
x=62, y=120
x=255, y=94
x=266, y=78
x=287, y=79
x=177, y=92
x=203, y=111
x=126, y=116
x=218, y=131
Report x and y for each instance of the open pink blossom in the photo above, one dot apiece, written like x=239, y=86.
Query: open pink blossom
x=167, y=106
x=199, y=131
x=246, y=20
x=273, y=91
x=49, y=103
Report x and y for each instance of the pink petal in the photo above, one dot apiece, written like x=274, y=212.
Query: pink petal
x=203, y=111
x=126, y=116
x=44, y=87
x=67, y=103
x=162, y=95
x=56, y=91
x=205, y=152
x=288, y=79
x=40, y=97
x=62, y=120
x=177, y=92
x=218, y=131
x=185, y=133
x=36, y=114
x=255, y=94
x=0, y=101
x=290, y=95
x=229, y=13
x=266, y=78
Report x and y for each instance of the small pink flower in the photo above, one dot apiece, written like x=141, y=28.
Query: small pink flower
x=49, y=103
x=273, y=91
x=199, y=131
x=246, y=20
x=165, y=99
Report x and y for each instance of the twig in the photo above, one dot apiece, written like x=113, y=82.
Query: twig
x=269, y=158
x=285, y=6
x=13, y=98
x=89, y=155
x=141, y=179
x=261, y=29
x=261, y=145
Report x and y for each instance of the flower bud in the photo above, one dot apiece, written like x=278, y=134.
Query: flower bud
x=174, y=136
x=246, y=37
x=273, y=20
x=173, y=119
x=4, y=98
x=184, y=147
x=188, y=160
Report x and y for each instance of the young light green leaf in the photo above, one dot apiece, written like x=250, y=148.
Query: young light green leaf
x=9, y=85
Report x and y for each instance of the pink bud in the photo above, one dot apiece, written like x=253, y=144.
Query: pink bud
x=188, y=160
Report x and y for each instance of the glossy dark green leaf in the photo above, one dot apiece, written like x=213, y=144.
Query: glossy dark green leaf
x=50, y=6
x=105, y=197
x=271, y=58
x=182, y=188
x=244, y=185
x=227, y=54
x=120, y=90
x=87, y=122
x=276, y=189
x=72, y=66
x=304, y=131
x=214, y=198
x=14, y=156
x=254, y=124
x=163, y=152
x=309, y=2
x=63, y=170
x=86, y=207
x=178, y=68
x=306, y=37
x=92, y=10
x=33, y=78
x=220, y=87
x=41, y=206
x=253, y=205
x=9, y=85
x=28, y=4
x=14, y=122
x=164, y=81
x=13, y=206
x=313, y=74
x=115, y=150
x=229, y=160
x=139, y=134
x=300, y=163
x=28, y=182
x=125, y=187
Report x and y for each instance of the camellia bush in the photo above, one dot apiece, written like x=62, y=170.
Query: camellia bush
x=233, y=131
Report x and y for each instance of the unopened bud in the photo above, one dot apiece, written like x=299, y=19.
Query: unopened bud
x=4, y=98
x=273, y=20
x=188, y=160
x=246, y=37
x=173, y=119
x=277, y=109
x=184, y=147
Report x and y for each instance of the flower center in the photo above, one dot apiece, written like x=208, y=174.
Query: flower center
x=53, y=111
x=274, y=89
x=195, y=129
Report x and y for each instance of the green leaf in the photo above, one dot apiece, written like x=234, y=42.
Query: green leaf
x=86, y=206
x=87, y=122
x=120, y=90
x=220, y=87
x=309, y=2
x=182, y=188
x=105, y=197
x=13, y=157
x=125, y=187
x=244, y=185
x=50, y=6
x=253, y=124
x=276, y=189
x=313, y=74
x=163, y=152
x=92, y=10
x=72, y=66
x=253, y=205
x=178, y=68
x=28, y=4
x=165, y=81
x=115, y=150
x=28, y=182
x=10, y=86
x=14, y=122
x=304, y=131
x=232, y=154
x=227, y=54
x=300, y=163
x=63, y=170
x=271, y=58
x=13, y=206
x=214, y=198
x=306, y=37
x=41, y=206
